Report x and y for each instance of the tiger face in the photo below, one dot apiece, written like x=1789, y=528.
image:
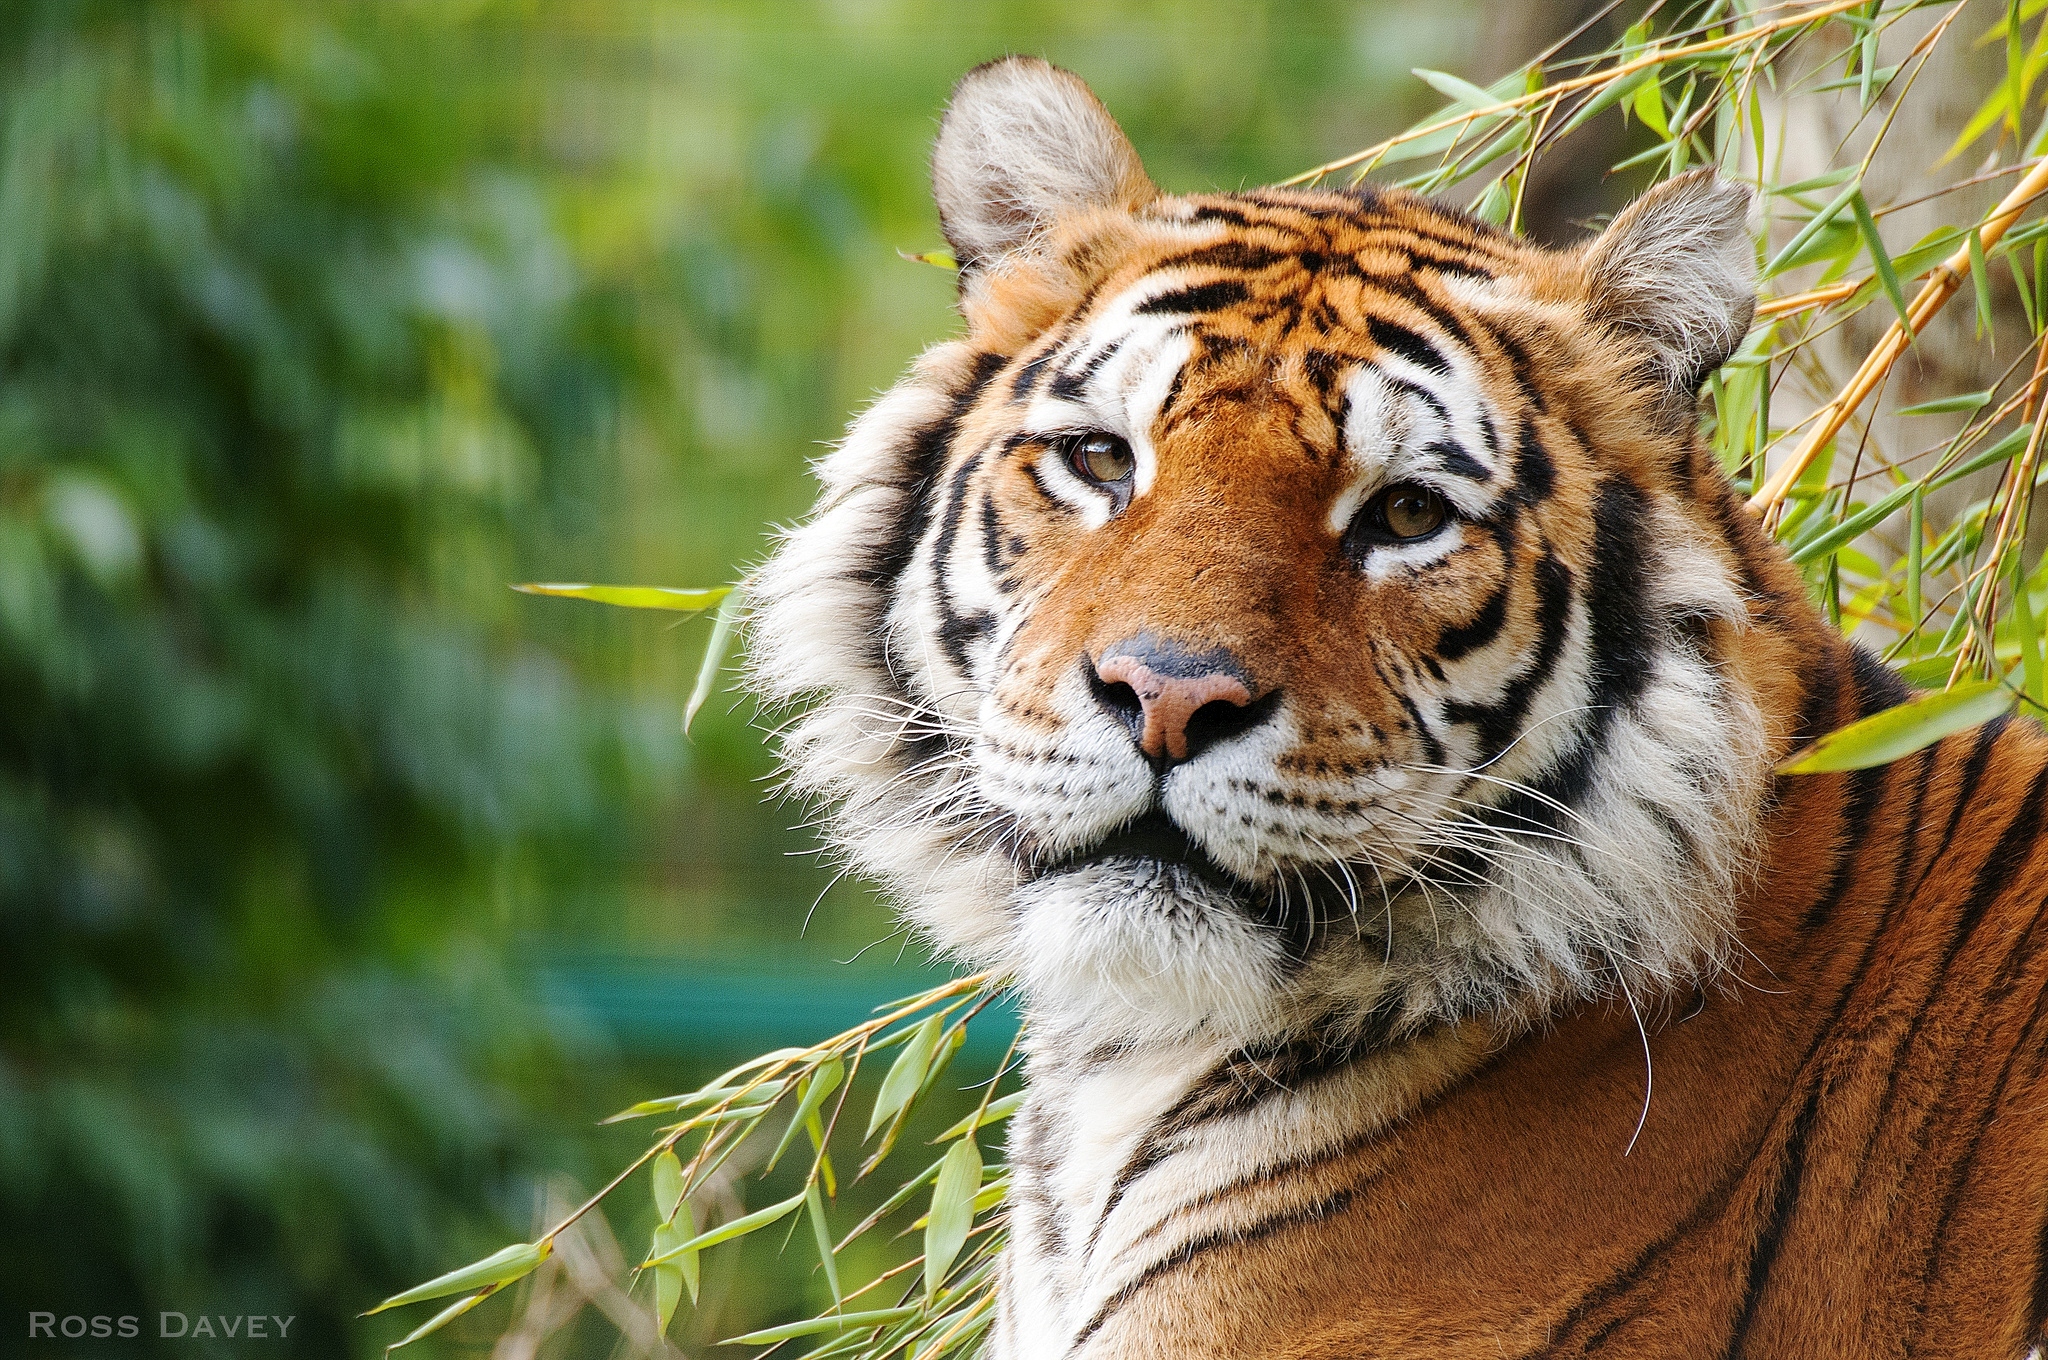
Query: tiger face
x=1282, y=607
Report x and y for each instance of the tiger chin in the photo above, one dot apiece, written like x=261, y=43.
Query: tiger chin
x=1299, y=637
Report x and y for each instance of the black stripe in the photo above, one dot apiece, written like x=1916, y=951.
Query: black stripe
x=1243, y=1081
x=1770, y=1241
x=1401, y=341
x=1866, y=790
x=927, y=458
x=1624, y=633
x=1027, y=376
x=1202, y=297
x=1456, y=460
x=1421, y=394
x=1224, y=255
x=1518, y=368
x=1322, y=369
x=956, y=630
x=999, y=549
x=1876, y=689
x=1959, y=1177
x=1444, y=264
x=1432, y=745
x=2037, y=1307
x=1817, y=709
x=1535, y=473
x=1454, y=643
x=2008, y=857
x=1327, y=1207
x=1973, y=773
x=1071, y=384
x=1498, y=722
x=1622, y=640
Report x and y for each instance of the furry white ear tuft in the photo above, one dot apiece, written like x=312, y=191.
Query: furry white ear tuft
x=1677, y=271
x=1022, y=144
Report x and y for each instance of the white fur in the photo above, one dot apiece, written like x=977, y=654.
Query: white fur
x=1022, y=144
x=1678, y=269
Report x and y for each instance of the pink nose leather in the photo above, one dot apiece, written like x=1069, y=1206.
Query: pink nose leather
x=1168, y=701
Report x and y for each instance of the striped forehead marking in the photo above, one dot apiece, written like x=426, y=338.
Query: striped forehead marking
x=1419, y=402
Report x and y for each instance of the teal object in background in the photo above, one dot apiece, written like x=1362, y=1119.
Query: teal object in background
x=667, y=1006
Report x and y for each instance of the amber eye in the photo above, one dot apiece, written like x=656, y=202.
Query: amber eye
x=1407, y=512
x=1100, y=458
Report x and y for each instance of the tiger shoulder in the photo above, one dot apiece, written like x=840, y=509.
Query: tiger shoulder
x=1300, y=638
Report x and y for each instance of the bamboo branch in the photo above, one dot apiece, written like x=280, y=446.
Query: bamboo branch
x=1375, y=152
x=1941, y=285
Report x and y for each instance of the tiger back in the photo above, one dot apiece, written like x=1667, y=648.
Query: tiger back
x=1299, y=637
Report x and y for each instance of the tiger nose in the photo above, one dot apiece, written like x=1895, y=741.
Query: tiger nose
x=1177, y=701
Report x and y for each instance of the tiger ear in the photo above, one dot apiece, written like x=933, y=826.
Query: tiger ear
x=1024, y=143
x=1677, y=272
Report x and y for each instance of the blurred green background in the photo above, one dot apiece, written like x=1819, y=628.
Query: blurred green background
x=342, y=889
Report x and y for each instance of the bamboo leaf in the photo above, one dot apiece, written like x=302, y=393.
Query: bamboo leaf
x=677, y=1225
x=2026, y=628
x=815, y=1204
x=668, y=1184
x=906, y=1074
x=676, y=1243
x=726, y=1232
x=952, y=1213
x=1916, y=556
x=2015, y=66
x=1814, y=226
x=1461, y=92
x=444, y=1317
x=1648, y=104
x=714, y=657
x=998, y=1110
x=1928, y=672
x=1989, y=112
x=1980, y=279
x=633, y=597
x=943, y=259
x=743, y=1097
x=499, y=1268
x=837, y=1322
x=1902, y=730
x=1805, y=554
x=1880, y=260
x=1999, y=452
x=1806, y=186
x=1964, y=401
x=816, y=1087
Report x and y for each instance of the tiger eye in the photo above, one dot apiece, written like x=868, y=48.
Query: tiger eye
x=1411, y=512
x=1101, y=458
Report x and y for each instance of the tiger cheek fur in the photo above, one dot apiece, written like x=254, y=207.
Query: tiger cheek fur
x=1298, y=637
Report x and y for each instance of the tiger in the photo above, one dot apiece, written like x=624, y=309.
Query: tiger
x=1302, y=640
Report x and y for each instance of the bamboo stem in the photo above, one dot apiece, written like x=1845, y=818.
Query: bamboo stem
x=1818, y=297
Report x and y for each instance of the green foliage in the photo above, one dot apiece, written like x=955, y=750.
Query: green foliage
x=288, y=368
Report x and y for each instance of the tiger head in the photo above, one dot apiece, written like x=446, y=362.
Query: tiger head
x=1285, y=606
